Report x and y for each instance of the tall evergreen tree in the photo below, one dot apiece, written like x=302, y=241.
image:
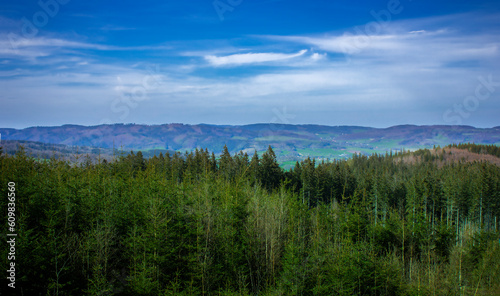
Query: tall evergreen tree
x=270, y=171
x=254, y=168
x=226, y=164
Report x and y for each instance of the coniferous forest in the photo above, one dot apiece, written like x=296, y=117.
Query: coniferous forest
x=205, y=224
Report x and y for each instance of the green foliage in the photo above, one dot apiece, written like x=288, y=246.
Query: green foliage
x=476, y=148
x=269, y=170
x=444, y=240
x=189, y=224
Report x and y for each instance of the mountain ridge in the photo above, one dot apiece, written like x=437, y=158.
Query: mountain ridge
x=291, y=142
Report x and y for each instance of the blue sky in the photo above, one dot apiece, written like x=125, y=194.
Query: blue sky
x=370, y=63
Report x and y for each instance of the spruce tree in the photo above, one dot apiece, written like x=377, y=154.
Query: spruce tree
x=270, y=171
x=254, y=171
x=226, y=164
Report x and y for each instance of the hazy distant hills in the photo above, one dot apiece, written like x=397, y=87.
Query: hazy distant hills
x=289, y=141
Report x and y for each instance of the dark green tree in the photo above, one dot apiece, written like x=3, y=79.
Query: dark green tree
x=226, y=164
x=270, y=171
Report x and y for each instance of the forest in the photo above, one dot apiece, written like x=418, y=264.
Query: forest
x=204, y=224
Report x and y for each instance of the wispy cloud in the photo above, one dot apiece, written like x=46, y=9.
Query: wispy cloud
x=410, y=67
x=250, y=58
x=439, y=45
x=16, y=46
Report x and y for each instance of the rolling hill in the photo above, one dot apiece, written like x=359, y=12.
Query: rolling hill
x=290, y=142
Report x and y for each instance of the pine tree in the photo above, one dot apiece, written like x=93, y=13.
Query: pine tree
x=213, y=163
x=270, y=171
x=254, y=169
x=226, y=164
x=240, y=163
x=308, y=181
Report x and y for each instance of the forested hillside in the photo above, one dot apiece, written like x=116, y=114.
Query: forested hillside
x=234, y=224
x=290, y=142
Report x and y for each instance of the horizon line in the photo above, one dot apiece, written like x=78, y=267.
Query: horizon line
x=251, y=124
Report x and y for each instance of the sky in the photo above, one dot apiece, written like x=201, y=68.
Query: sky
x=369, y=63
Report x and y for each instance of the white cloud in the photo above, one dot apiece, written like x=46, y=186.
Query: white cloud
x=317, y=57
x=250, y=58
x=15, y=46
x=414, y=65
x=418, y=42
x=347, y=43
x=15, y=41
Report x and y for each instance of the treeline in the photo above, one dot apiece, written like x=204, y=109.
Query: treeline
x=480, y=149
x=197, y=224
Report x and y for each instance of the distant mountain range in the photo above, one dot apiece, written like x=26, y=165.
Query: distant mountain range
x=290, y=142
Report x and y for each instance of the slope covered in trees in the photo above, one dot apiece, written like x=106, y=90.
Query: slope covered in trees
x=197, y=224
x=290, y=142
x=480, y=149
